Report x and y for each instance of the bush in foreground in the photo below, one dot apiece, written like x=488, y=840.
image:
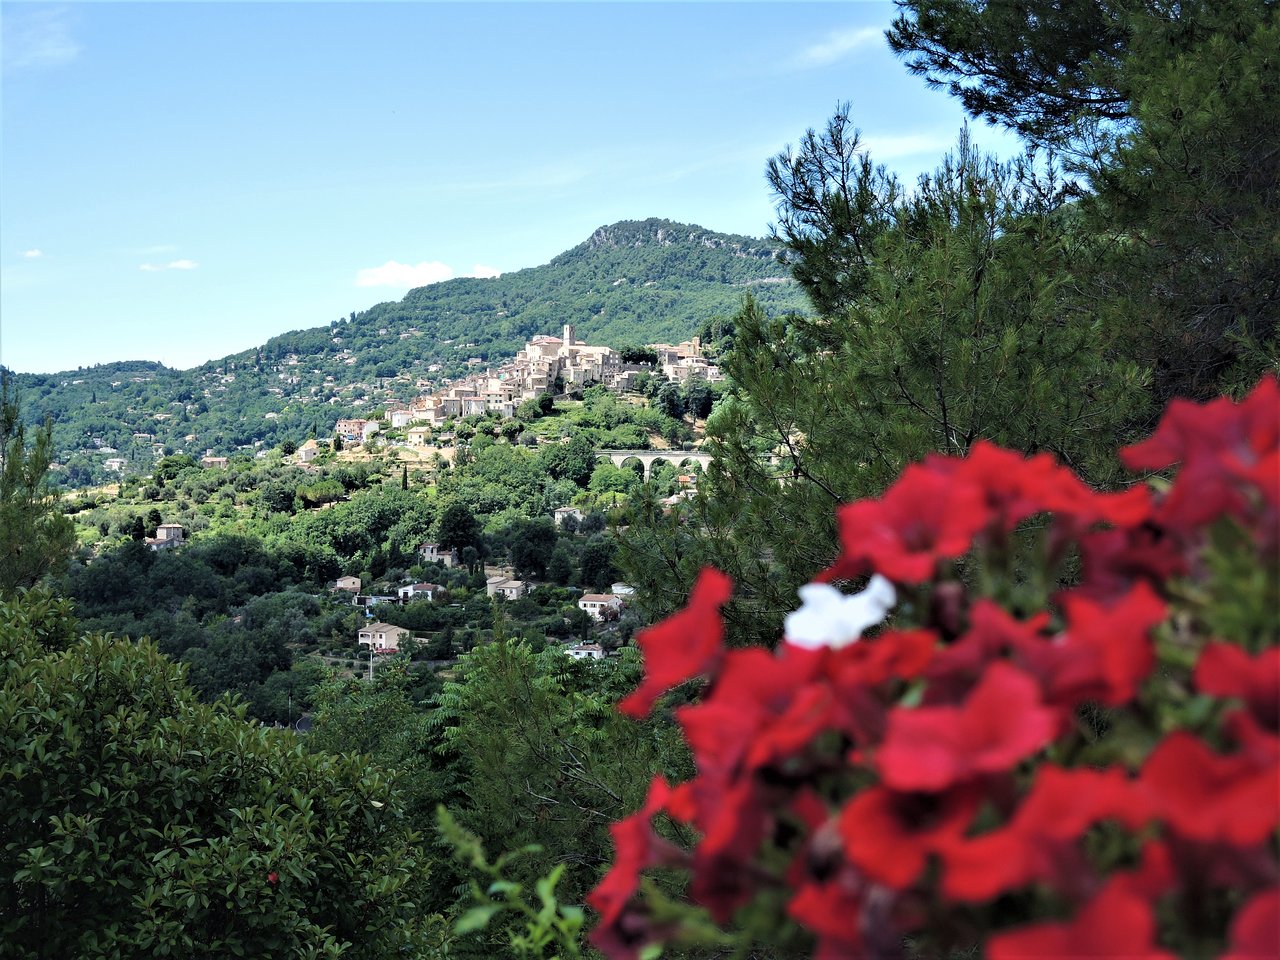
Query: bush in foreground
x=136, y=821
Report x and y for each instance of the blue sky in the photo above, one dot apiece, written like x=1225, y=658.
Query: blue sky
x=181, y=181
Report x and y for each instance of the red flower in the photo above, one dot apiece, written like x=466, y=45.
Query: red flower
x=273, y=878
x=992, y=634
x=636, y=847
x=1114, y=924
x=895, y=654
x=1015, y=487
x=1255, y=932
x=682, y=646
x=1039, y=841
x=1063, y=804
x=1001, y=723
x=1225, y=670
x=760, y=703
x=1227, y=453
x=1106, y=651
x=924, y=517
x=1205, y=796
x=890, y=835
x=832, y=910
x=1114, y=560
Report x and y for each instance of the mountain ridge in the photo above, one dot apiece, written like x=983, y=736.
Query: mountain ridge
x=630, y=282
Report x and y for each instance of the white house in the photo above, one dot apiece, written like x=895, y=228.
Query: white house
x=401, y=418
x=596, y=604
x=511, y=589
x=434, y=553
x=419, y=591
x=561, y=513
x=308, y=451
x=382, y=637
x=355, y=430
x=168, y=536
x=585, y=651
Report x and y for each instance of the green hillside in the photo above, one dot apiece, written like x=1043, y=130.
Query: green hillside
x=633, y=282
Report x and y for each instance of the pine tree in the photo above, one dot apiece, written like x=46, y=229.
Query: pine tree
x=35, y=536
x=963, y=324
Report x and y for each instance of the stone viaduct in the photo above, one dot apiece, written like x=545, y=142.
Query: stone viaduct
x=647, y=457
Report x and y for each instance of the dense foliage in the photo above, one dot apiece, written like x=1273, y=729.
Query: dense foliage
x=141, y=822
x=1163, y=113
x=34, y=535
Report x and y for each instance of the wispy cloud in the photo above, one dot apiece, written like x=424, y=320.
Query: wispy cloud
x=403, y=275
x=481, y=272
x=892, y=146
x=836, y=46
x=37, y=38
x=171, y=265
x=34, y=254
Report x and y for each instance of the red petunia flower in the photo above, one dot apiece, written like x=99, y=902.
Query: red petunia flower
x=1225, y=670
x=1015, y=487
x=636, y=847
x=1039, y=841
x=273, y=878
x=889, y=835
x=1002, y=722
x=1205, y=796
x=832, y=910
x=1255, y=932
x=992, y=635
x=1113, y=924
x=924, y=517
x=1114, y=560
x=684, y=645
x=1227, y=453
x=1106, y=651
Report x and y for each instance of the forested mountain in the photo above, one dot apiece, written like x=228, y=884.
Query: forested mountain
x=633, y=282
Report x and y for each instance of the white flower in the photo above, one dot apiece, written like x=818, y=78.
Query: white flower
x=828, y=618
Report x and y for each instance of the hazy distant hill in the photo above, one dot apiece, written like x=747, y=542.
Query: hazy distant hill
x=632, y=282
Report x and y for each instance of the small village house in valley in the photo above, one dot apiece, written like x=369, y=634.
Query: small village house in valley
x=382, y=637
x=419, y=591
x=168, y=536
x=434, y=553
x=598, y=604
x=506, y=587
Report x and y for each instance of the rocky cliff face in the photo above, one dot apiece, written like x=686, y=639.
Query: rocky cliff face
x=667, y=233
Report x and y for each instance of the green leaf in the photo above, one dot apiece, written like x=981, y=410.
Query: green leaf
x=477, y=918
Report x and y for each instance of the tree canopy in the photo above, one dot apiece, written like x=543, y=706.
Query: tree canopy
x=34, y=535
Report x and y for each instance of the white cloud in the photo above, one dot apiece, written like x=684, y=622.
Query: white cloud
x=171, y=265
x=34, y=39
x=480, y=271
x=33, y=254
x=895, y=145
x=403, y=275
x=837, y=45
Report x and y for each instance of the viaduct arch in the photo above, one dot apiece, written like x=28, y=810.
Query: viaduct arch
x=647, y=457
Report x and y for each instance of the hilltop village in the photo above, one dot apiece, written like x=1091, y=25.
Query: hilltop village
x=546, y=364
